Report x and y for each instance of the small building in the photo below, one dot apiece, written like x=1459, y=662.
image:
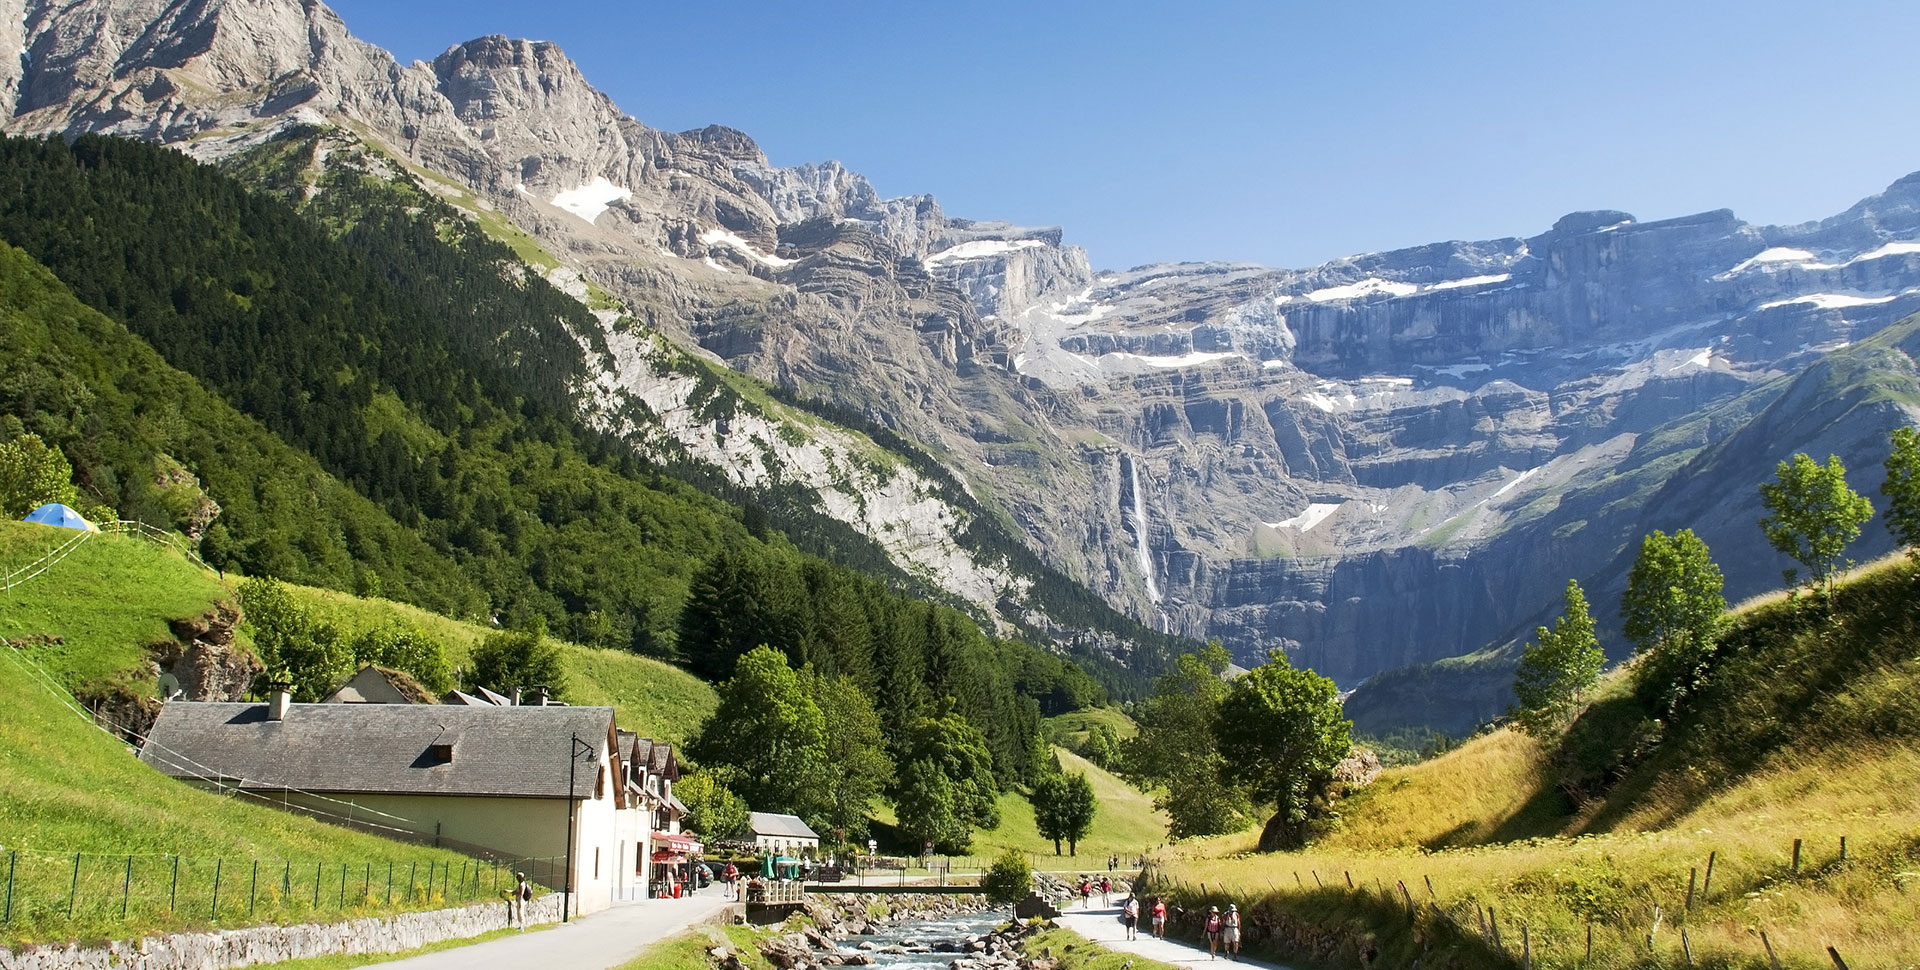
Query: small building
x=374, y=684
x=783, y=833
x=505, y=783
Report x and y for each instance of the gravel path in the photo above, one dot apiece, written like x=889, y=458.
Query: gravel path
x=600, y=941
x=1103, y=926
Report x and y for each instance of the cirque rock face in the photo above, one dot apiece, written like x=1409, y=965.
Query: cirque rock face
x=1381, y=460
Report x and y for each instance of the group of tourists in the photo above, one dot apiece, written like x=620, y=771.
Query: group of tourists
x=1223, y=929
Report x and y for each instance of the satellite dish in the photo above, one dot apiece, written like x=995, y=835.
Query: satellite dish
x=169, y=686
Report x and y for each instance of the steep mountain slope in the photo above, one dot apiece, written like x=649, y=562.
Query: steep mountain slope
x=1379, y=461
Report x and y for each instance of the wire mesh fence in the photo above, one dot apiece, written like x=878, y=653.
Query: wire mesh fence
x=86, y=895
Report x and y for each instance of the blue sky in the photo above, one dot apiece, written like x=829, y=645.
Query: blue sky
x=1281, y=133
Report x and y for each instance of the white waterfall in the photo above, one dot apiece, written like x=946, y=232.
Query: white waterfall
x=1140, y=532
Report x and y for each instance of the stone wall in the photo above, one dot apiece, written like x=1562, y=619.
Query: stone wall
x=223, y=949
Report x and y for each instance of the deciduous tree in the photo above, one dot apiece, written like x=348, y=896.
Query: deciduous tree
x=713, y=810
x=1558, y=667
x=1281, y=732
x=524, y=659
x=1902, y=490
x=1063, y=809
x=33, y=473
x=767, y=741
x=857, y=766
x=953, y=749
x=1176, y=755
x=1813, y=515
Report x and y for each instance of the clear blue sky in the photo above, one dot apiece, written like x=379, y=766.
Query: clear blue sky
x=1283, y=133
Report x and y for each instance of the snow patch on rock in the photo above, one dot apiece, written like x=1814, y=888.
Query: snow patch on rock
x=1314, y=514
x=721, y=237
x=590, y=200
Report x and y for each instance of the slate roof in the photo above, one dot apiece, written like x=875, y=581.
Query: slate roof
x=515, y=751
x=780, y=826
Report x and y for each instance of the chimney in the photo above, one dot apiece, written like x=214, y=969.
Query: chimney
x=540, y=695
x=279, y=698
x=513, y=697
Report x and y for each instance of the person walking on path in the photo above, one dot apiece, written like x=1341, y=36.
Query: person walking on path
x=517, y=902
x=1160, y=918
x=1106, y=890
x=1214, y=924
x=1086, y=893
x=1130, y=915
x=1230, y=932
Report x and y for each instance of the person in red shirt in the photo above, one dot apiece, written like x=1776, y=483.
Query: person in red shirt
x=1160, y=918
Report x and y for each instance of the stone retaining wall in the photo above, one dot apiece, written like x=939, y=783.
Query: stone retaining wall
x=225, y=949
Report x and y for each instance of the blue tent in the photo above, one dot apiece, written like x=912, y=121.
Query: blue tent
x=53, y=513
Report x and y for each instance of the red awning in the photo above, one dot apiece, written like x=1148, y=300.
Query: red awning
x=670, y=842
x=665, y=856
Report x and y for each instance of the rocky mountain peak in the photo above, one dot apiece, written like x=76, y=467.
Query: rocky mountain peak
x=492, y=78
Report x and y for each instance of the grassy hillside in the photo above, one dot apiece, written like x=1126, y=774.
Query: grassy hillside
x=651, y=698
x=1805, y=726
x=67, y=787
x=1125, y=823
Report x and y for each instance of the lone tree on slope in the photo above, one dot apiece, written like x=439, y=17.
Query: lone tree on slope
x=1063, y=809
x=1558, y=667
x=1812, y=516
x=1672, y=608
x=1281, y=732
x=1903, y=490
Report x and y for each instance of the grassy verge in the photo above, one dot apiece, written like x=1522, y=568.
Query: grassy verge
x=1076, y=952
x=690, y=950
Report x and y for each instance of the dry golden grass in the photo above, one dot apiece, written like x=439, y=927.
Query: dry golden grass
x=1489, y=830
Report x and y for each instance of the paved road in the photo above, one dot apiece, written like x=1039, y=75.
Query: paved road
x=600, y=941
x=1102, y=926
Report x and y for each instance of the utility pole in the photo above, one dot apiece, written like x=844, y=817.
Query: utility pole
x=573, y=762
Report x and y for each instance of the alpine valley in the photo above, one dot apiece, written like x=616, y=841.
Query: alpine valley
x=1388, y=465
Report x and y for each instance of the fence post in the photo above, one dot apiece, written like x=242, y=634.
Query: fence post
x=126, y=885
x=173, y=891
x=1706, y=885
x=343, y=885
x=389, y=882
x=316, y=884
x=286, y=881
x=74, y=891
x=1796, y=857
x=13, y=859
x=253, y=886
x=413, y=869
x=217, y=864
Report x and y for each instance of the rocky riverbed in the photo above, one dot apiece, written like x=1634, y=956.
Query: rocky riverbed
x=895, y=932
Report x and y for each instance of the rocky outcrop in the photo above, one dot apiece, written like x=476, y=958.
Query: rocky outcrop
x=201, y=663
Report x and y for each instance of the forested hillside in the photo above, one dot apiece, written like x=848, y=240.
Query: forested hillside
x=380, y=349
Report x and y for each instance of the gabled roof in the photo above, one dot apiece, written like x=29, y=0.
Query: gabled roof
x=780, y=826
x=374, y=684
x=513, y=751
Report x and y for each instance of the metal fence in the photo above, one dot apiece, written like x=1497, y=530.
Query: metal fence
x=51, y=895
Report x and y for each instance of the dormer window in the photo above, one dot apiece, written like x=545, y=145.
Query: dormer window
x=440, y=754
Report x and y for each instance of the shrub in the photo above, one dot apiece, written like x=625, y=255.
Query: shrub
x=1009, y=879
